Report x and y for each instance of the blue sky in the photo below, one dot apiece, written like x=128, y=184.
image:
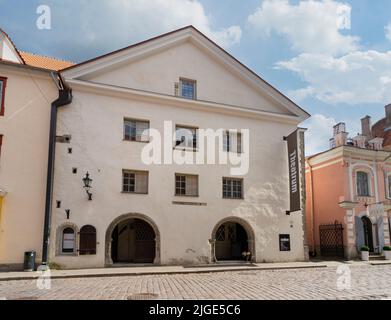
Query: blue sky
x=337, y=73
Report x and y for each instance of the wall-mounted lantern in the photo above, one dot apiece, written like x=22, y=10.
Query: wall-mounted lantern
x=87, y=185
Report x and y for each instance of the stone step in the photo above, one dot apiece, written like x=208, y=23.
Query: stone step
x=376, y=257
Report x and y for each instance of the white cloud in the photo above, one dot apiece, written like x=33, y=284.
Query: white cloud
x=354, y=78
x=109, y=25
x=388, y=31
x=155, y=16
x=335, y=68
x=82, y=30
x=320, y=130
x=311, y=26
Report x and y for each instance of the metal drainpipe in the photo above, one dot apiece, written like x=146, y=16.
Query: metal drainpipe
x=64, y=98
x=312, y=209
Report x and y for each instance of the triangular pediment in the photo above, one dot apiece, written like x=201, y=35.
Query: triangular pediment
x=156, y=65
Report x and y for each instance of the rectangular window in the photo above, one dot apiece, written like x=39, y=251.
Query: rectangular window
x=232, y=141
x=136, y=130
x=3, y=82
x=285, y=242
x=232, y=188
x=135, y=181
x=1, y=143
x=186, y=185
x=188, y=88
x=389, y=182
x=186, y=137
x=68, y=240
x=362, y=184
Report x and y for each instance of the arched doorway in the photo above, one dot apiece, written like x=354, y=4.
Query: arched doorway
x=231, y=238
x=368, y=233
x=132, y=238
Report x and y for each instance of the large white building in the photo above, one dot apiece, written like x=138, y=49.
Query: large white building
x=172, y=213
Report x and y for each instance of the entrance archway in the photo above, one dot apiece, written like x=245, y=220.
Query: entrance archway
x=368, y=233
x=232, y=237
x=132, y=238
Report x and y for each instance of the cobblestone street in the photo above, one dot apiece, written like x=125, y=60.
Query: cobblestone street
x=368, y=282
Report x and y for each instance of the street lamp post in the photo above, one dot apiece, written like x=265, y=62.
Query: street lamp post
x=87, y=185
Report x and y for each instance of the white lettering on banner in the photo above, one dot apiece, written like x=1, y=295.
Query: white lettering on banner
x=292, y=158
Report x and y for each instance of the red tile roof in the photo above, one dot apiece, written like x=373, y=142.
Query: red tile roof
x=38, y=61
x=44, y=62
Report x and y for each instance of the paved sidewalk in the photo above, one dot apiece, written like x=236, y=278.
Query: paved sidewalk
x=159, y=270
x=361, y=281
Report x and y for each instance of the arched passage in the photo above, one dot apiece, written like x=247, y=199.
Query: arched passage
x=231, y=237
x=132, y=238
x=368, y=233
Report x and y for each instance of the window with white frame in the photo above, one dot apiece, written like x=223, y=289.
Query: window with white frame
x=232, y=141
x=187, y=88
x=186, y=185
x=136, y=130
x=389, y=186
x=135, y=181
x=68, y=240
x=232, y=188
x=186, y=137
x=362, y=184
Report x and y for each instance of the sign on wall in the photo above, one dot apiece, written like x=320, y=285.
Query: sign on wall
x=294, y=172
x=285, y=242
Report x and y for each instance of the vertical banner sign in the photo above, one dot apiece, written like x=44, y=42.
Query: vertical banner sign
x=294, y=172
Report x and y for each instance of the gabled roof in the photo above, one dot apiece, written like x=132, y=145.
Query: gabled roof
x=189, y=32
x=37, y=61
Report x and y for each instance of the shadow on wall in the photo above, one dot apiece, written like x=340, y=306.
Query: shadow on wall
x=264, y=201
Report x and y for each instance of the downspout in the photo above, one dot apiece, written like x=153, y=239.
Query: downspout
x=312, y=209
x=64, y=98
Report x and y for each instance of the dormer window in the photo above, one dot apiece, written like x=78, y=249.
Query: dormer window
x=187, y=88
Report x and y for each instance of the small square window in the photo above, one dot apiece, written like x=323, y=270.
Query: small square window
x=136, y=130
x=186, y=185
x=186, y=137
x=232, y=141
x=188, y=89
x=135, y=181
x=232, y=188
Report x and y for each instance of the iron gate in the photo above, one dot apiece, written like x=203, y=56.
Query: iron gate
x=331, y=240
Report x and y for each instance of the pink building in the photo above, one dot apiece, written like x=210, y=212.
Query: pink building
x=349, y=192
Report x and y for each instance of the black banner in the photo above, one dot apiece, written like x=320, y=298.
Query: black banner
x=294, y=172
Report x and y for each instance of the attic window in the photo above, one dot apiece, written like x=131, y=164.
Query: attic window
x=187, y=88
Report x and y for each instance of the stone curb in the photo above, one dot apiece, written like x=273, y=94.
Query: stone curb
x=147, y=273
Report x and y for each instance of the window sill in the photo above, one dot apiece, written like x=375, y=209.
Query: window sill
x=224, y=198
x=139, y=193
x=185, y=196
x=127, y=140
x=185, y=149
x=65, y=254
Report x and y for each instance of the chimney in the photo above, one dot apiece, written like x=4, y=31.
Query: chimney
x=366, y=127
x=340, y=135
x=388, y=118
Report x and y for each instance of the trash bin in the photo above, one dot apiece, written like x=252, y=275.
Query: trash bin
x=29, y=260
